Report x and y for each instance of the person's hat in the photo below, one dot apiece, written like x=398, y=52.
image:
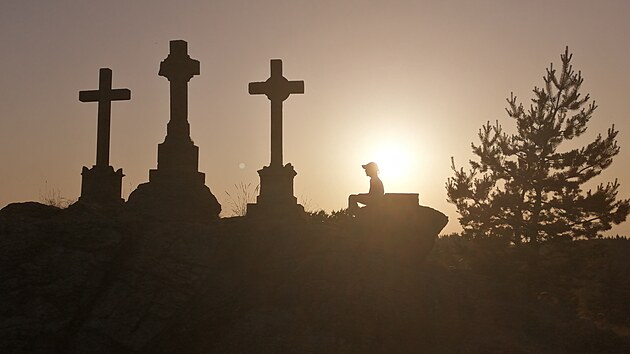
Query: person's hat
x=370, y=165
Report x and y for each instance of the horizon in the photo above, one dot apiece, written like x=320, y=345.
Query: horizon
x=409, y=85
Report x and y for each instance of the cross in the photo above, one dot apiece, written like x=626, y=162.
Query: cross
x=104, y=96
x=277, y=89
x=179, y=68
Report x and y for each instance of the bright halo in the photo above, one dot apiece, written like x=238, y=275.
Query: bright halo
x=393, y=161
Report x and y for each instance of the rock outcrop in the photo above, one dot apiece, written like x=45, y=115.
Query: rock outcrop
x=85, y=281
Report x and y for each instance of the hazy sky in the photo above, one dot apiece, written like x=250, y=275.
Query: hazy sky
x=414, y=77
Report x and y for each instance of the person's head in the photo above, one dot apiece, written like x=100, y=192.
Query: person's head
x=371, y=169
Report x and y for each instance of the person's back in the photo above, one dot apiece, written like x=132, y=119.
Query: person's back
x=376, y=187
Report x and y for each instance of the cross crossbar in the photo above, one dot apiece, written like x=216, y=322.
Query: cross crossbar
x=104, y=96
x=277, y=89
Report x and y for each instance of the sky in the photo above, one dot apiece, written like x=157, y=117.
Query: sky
x=406, y=84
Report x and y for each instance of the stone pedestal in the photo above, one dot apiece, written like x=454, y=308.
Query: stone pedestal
x=101, y=185
x=176, y=189
x=276, y=197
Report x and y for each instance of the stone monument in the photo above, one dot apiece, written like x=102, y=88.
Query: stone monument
x=176, y=189
x=101, y=185
x=276, y=197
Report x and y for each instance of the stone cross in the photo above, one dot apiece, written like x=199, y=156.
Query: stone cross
x=179, y=68
x=277, y=89
x=104, y=96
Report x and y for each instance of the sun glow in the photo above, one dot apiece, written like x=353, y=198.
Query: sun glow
x=394, y=161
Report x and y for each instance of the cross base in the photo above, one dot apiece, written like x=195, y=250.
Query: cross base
x=101, y=186
x=276, y=198
x=176, y=189
x=167, y=198
x=178, y=159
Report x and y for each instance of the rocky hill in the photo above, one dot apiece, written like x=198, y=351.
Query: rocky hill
x=88, y=281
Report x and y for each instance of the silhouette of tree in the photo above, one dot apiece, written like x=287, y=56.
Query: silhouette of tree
x=522, y=187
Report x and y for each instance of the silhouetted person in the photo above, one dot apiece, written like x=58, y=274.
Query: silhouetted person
x=374, y=196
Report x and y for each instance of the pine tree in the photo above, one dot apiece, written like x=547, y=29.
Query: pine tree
x=524, y=187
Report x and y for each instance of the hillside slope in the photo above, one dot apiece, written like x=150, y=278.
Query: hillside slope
x=75, y=281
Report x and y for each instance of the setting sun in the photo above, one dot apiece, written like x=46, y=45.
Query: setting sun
x=393, y=160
